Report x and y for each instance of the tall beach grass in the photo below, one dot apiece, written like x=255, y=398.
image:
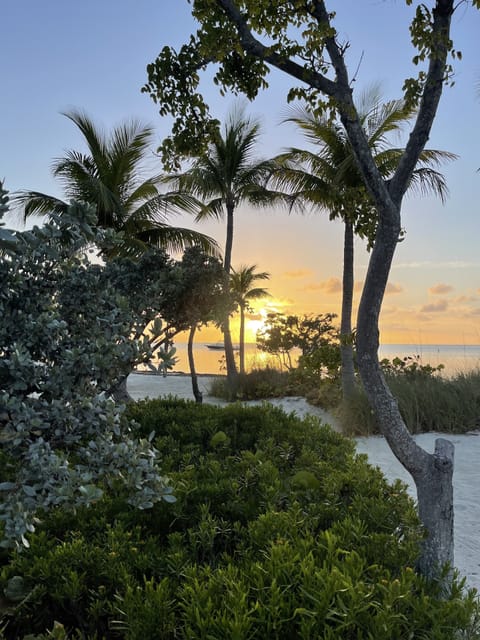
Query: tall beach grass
x=426, y=402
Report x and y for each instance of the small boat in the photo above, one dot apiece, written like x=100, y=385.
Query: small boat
x=219, y=346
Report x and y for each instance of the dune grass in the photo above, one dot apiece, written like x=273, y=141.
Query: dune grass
x=426, y=402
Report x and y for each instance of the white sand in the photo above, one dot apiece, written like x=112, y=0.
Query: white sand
x=467, y=456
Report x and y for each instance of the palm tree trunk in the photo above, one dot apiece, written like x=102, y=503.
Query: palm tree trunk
x=191, y=361
x=227, y=264
x=232, y=374
x=346, y=342
x=242, y=339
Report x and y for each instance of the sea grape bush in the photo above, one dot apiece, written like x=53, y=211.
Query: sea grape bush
x=7, y=239
x=65, y=341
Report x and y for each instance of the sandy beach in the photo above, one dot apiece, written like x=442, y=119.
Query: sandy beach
x=467, y=455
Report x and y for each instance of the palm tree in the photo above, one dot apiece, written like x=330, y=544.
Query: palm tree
x=222, y=178
x=328, y=177
x=109, y=178
x=242, y=290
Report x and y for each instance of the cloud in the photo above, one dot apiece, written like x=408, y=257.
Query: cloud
x=278, y=305
x=435, y=307
x=332, y=285
x=475, y=312
x=440, y=288
x=462, y=299
x=454, y=264
x=392, y=287
x=299, y=273
x=253, y=316
x=387, y=310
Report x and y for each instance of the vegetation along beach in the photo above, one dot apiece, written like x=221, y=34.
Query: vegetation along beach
x=239, y=320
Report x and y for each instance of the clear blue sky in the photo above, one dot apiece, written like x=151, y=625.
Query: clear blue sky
x=92, y=55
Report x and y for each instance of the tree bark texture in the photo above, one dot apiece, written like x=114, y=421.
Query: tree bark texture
x=435, y=504
x=242, y=339
x=346, y=337
x=197, y=394
x=120, y=393
x=432, y=473
x=232, y=374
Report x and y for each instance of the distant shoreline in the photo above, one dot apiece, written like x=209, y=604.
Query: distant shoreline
x=208, y=362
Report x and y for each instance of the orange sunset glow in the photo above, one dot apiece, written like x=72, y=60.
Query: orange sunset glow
x=433, y=296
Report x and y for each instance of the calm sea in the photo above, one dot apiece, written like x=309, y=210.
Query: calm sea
x=456, y=358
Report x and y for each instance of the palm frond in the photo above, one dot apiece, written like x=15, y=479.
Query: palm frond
x=35, y=203
x=241, y=284
x=212, y=209
x=426, y=181
x=177, y=239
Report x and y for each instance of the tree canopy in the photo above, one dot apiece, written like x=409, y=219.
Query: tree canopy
x=66, y=336
x=247, y=37
x=110, y=178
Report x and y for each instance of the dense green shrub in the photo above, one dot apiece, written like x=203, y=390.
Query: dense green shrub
x=264, y=383
x=257, y=384
x=279, y=531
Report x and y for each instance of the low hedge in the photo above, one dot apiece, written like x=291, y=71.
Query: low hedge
x=279, y=531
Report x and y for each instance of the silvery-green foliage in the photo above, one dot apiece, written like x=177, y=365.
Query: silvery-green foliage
x=68, y=334
x=7, y=238
x=3, y=200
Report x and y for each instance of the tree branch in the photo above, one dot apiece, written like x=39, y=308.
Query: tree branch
x=255, y=48
x=348, y=113
x=442, y=14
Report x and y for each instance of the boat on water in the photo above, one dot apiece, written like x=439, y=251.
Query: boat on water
x=219, y=346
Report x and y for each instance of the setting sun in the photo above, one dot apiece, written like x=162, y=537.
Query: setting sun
x=255, y=320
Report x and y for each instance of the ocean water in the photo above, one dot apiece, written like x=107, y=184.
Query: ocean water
x=455, y=358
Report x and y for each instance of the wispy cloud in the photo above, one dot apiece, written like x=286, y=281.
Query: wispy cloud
x=427, y=264
x=440, y=288
x=464, y=299
x=332, y=285
x=299, y=273
x=389, y=310
x=393, y=287
x=278, y=305
x=435, y=307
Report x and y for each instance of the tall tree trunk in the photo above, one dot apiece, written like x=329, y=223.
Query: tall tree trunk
x=191, y=361
x=346, y=336
x=232, y=374
x=432, y=473
x=242, y=339
x=120, y=393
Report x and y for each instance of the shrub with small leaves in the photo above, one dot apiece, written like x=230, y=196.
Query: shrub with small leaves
x=279, y=531
x=65, y=341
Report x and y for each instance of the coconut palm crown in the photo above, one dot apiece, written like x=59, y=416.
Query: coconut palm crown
x=327, y=177
x=242, y=290
x=109, y=177
x=222, y=178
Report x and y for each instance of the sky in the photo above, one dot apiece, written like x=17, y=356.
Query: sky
x=92, y=55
